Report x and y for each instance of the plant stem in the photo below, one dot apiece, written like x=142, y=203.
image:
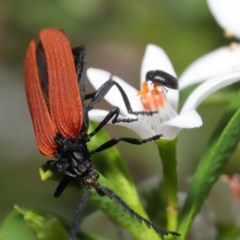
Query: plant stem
x=167, y=152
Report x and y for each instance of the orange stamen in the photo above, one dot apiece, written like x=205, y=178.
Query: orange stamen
x=152, y=99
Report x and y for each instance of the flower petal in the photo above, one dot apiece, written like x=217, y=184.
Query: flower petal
x=155, y=58
x=98, y=115
x=226, y=13
x=98, y=77
x=225, y=59
x=189, y=119
x=208, y=87
x=140, y=129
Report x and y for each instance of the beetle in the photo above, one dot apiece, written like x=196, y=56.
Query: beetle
x=163, y=78
x=55, y=84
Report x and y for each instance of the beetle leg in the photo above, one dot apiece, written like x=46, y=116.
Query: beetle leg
x=104, y=89
x=62, y=185
x=113, y=114
x=116, y=140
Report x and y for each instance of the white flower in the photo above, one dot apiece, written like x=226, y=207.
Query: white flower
x=224, y=59
x=167, y=121
x=227, y=15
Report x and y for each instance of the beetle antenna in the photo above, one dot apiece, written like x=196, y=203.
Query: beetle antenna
x=77, y=216
x=108, y=192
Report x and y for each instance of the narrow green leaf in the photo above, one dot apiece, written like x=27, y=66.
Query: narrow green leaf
x=208, y=171
x=231, y=109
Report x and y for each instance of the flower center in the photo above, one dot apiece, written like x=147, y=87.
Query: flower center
x=154, y=100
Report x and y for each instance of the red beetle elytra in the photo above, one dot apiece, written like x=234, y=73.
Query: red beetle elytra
x=55, y=88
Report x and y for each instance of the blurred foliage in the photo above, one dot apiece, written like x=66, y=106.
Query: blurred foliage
x=168, y=23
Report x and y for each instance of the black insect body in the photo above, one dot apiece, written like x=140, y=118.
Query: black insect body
x=163, y=78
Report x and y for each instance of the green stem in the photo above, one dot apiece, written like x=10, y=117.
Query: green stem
x=167, y=152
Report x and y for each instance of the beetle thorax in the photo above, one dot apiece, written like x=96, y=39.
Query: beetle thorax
x=73, y=157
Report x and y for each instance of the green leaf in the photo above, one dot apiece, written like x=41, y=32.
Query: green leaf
x=46, y=227
x=14, y=227
x=26, y=224
x=232, y=108
x=208, y=171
